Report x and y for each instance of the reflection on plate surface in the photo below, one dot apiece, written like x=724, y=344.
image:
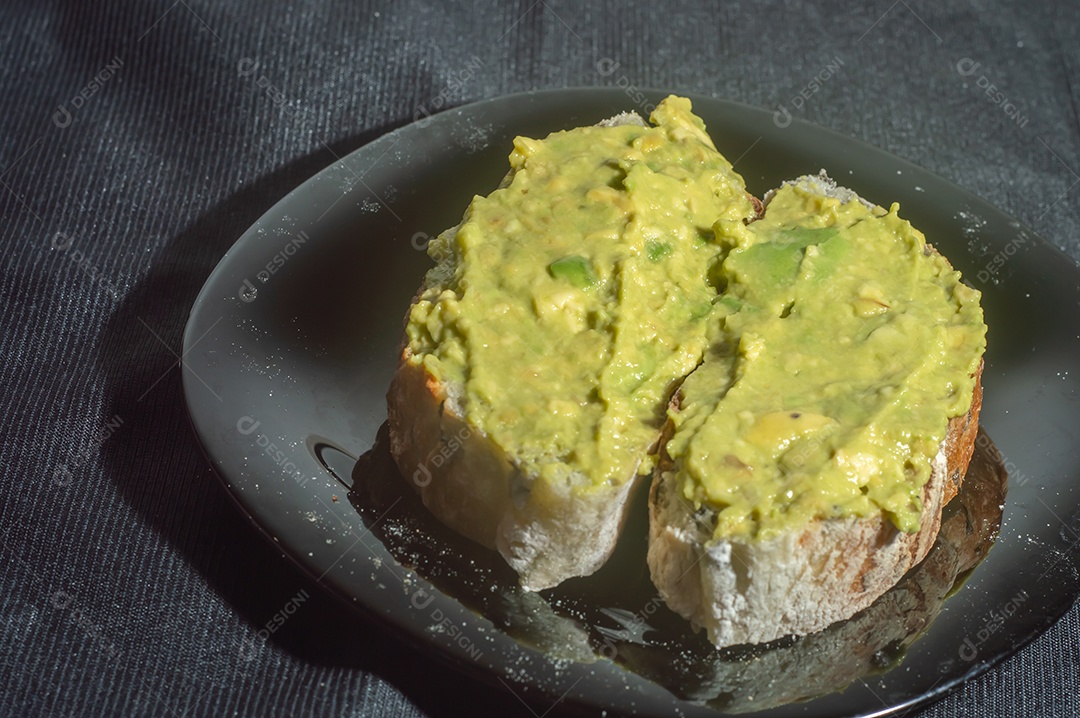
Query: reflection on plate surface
x=617, y=614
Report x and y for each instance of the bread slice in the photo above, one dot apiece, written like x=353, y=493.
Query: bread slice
x=470, y=484
x=749, y=679
x=799, y=582
x=547, y=531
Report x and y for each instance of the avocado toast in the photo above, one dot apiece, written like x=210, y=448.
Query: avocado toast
x=620, y=264
x=547, y=341
x=809, y=456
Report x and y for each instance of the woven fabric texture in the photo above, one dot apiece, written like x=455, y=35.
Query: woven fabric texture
x=140, y=138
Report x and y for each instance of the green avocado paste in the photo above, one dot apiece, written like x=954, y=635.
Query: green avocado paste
x=818, y=352
x=828, y=387
x=570, y=302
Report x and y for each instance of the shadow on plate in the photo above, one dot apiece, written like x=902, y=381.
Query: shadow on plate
x=616, y=613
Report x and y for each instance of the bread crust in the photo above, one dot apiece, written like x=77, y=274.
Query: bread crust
x=960, y=440
x=546, y=533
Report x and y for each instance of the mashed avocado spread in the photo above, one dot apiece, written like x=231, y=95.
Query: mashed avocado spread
x=823, y=348
x=827, y=390
x=571, y=301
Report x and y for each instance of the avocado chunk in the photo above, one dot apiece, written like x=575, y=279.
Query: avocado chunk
x=574, y=269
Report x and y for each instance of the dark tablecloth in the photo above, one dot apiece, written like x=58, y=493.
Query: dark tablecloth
x=140, y=138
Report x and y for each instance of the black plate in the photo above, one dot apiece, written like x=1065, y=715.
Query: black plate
x=291, y=344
